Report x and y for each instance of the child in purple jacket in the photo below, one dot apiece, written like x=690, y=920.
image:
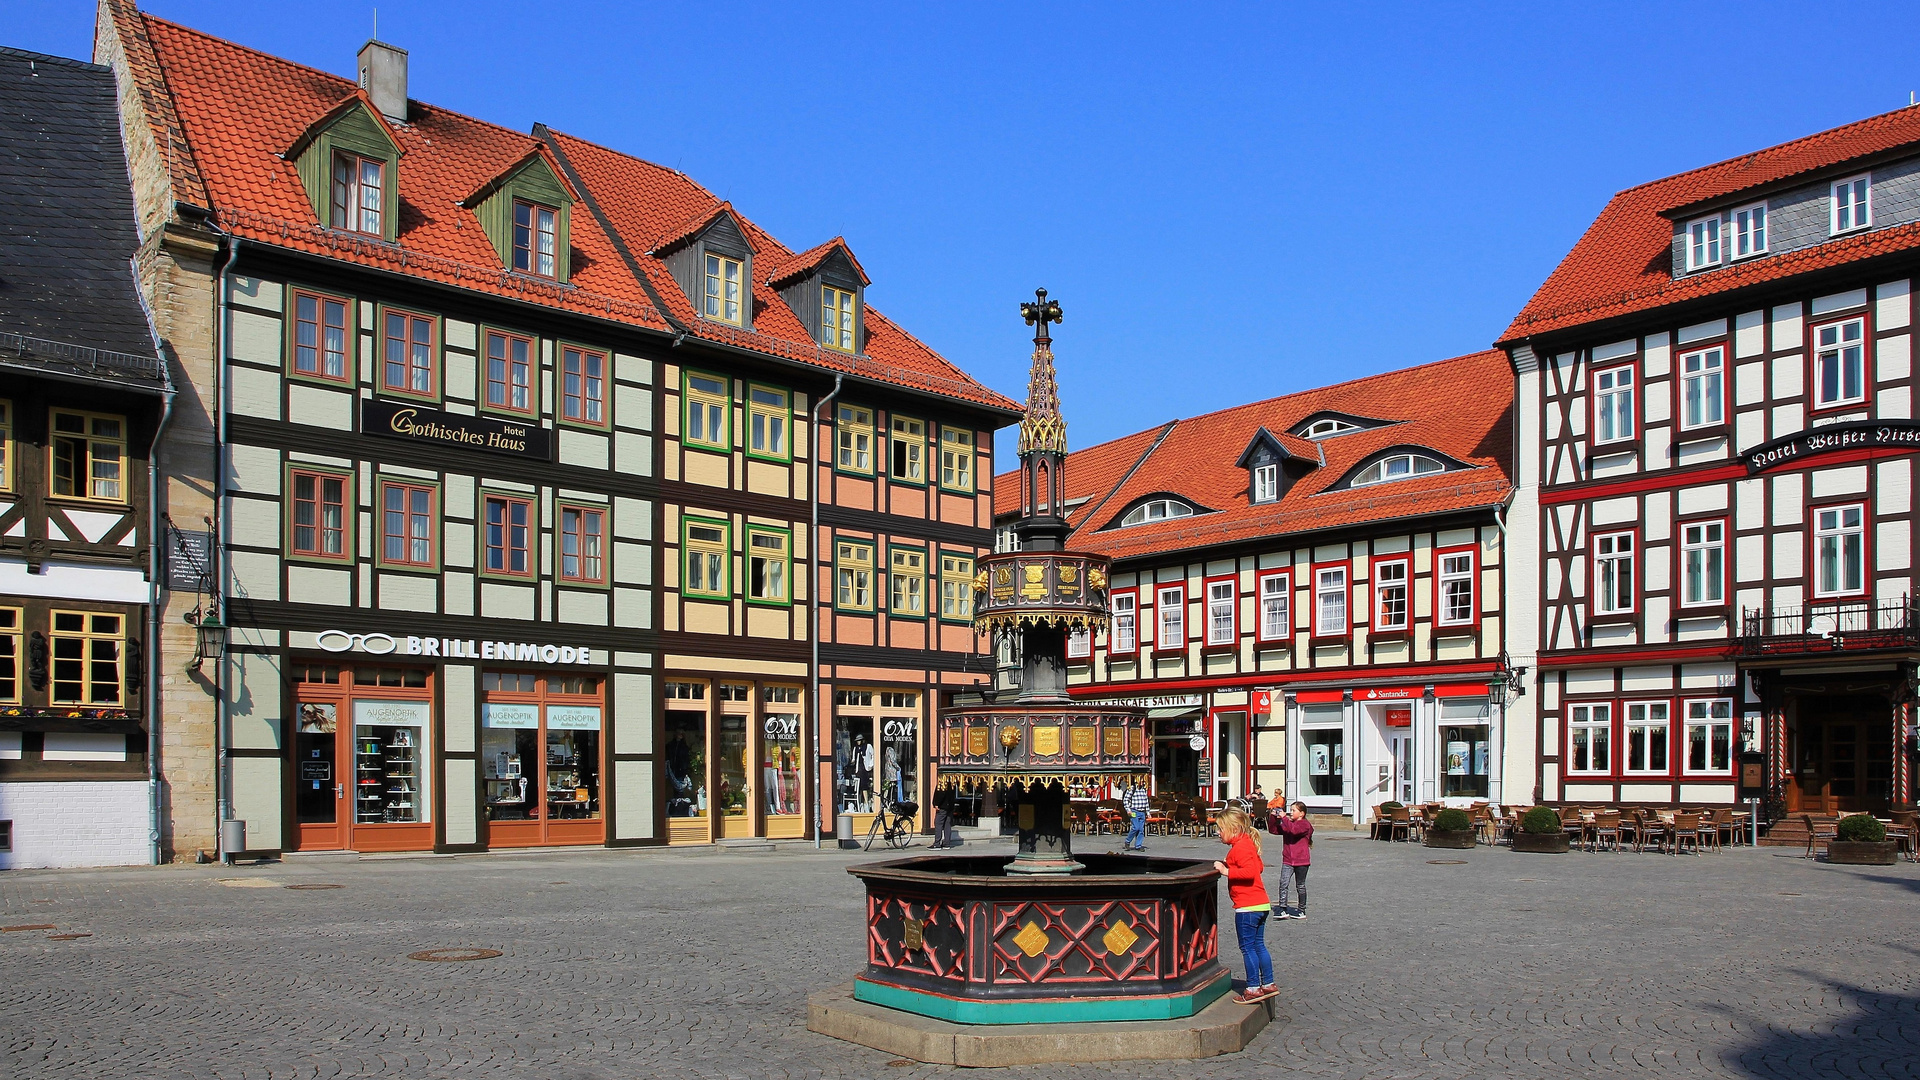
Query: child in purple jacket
x=1296, y=855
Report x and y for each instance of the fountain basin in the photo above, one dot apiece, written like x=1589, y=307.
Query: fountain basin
x=956, y=938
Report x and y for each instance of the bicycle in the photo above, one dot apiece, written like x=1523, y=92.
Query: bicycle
x=893, y=826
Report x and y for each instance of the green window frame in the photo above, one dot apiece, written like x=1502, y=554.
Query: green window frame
x=956, y=587
x=321, y=509
x=769, y=423
x=322, y=338
x=769, y=566
x=907, y=582
x=706, y=558
x=957, y=457
x=407, y=520
x=906, y=450
x=853, y=440
x=706, y=410
x=853, y=576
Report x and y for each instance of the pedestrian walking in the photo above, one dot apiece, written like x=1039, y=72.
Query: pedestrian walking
x=943, y=816
x=1137, y=811
x=1243, y=868
x=1296, y=856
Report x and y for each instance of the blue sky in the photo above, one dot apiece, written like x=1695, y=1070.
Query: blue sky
x=1230, y=202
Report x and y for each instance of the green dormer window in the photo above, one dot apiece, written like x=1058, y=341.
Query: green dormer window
x=349, y=162
x=359, y=186
x=524, y=212
x=534, y=238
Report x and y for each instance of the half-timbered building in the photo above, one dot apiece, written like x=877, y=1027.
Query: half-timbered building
x=1306, y=590
x=1715, y=463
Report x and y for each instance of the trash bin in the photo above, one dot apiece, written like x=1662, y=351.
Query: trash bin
x=843, y=831
x=233, y=838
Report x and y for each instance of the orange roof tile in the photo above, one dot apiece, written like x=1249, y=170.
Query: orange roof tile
x=813, y=257
x=1624, y=262
x=1445, y=407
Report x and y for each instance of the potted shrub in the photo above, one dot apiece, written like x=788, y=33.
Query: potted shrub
x=1540, y=830
x=1860, y=840
x=1451, y=828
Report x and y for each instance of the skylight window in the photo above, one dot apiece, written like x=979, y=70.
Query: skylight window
x=1156, y=510
x=1397, y=467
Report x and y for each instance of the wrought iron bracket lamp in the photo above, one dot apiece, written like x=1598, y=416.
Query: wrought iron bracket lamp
x=210, y=634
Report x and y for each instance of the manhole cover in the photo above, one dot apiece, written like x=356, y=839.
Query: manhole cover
x=453, y=956
x=311, y=885
x=1446, y=862
x=29, y=926
x=66, y=937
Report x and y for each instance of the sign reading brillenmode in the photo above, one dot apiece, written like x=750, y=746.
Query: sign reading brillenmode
x=418, y=423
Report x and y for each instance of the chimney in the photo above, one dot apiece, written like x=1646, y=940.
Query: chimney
x=383, y=75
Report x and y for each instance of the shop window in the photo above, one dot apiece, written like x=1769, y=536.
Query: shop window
x=358, y=183
x=583, y=386
x=1703, y=546
x=540, y=747
x=1121, y=632
x=708, y=404
x=956, y=588
x=535, y=238
x=1390, y=595
x=854, y=759
x=1276, y=603
x=733, y=765
x=1613, y=573
x=1709, y=736
x=956, y=458
x=1456, y=588
x=1326, y=759
x=784, y=695
x=407, y=354
x=853, y=571
x=1649, y=734
x=509, y=529
x=723, y=281
x=583, y=542
x=1221, y=605
x=861, y=698
x=510, y=363
x=686, y=763
x=325, y=674
x=769, y=415
x=1703, y=387
x=907, y=578
x=780, y=763
x=89, y=456
x=1840, y=364
x=908, y=448
x=1839, y=542
x=387, y=773
x=1590, y=739
x=899, y=755
x=854, y=440
x=1464, y=747
x=88, y=653
x=10, y=653
x=409, y=678
x=731, y=692
x=767, y=565
x=685, y=691
x=706, y=548
x=1330, y=601
x=836, y=318
x=1172, y=606
x=320, y=336
x=320, y=515
x=407, y=525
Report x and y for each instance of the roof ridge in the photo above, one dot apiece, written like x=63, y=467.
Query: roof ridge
x=67, y=61
x=1764, y=150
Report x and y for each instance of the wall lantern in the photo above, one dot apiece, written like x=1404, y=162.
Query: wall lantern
x=210, y=635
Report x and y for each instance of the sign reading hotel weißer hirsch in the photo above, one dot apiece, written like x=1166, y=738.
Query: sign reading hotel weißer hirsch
x=417, y=423
x=1861, y=434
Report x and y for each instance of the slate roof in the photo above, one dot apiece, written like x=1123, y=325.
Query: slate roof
x=1460, y=408
x=67, y=225
x=1624, y=263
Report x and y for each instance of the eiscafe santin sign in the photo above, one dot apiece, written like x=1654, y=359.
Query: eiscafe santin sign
x=523, y=652
x=417, y=423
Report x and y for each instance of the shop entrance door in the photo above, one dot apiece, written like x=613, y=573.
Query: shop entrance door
x=1176, y=767
x=1845, y=755
x=1400, y=751
x=363, y=766
x=319, y=789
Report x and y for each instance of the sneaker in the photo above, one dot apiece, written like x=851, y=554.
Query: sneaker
x=1300, y=913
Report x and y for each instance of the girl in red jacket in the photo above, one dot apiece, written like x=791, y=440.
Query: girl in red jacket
x=1243, y=869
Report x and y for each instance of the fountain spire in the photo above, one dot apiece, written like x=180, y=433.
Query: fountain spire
x=1043, y=439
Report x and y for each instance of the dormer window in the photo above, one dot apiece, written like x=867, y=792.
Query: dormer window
x=1156, y=510
x=836, y=318
x=535, y=238
x=1749, y=235
x=1320, y=429
x=1397, y=467
x=724, y=276
x=358, y=184
x=1266, y=483
x=1703, y=243
x=1852, y=204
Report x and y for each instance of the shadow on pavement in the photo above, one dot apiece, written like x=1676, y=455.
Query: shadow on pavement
x=1873, y=1039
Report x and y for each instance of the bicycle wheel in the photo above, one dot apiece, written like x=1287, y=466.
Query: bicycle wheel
x=877, y=829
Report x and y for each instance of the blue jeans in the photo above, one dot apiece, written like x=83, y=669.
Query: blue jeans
x=1137, y=831
x=1251, y=928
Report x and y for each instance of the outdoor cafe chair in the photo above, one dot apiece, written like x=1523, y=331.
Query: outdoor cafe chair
x=1686, y=830
x=1606, y=830
x=1724, y=823
x=1905, y=831
x=1402, y=824
x=1820, y=832
x=1574, y=824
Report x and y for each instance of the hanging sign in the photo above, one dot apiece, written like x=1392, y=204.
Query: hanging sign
x=420, y=424
x=1198, y=742
x=1891, y=434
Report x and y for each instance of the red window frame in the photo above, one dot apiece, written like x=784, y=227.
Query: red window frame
x=1593, y=575
x=408, y=513
x=1186, y=632
x=320, y=324
x=1113, y=650
x=1733, y=736
x=348, y=195
x=507, y=382
x=1680, y=354
x=1376, y=627
x=526, y=251
x=583, y=394
x=1868, y=352
x=1622, y=720
x=1593, y=403
x=1440, y=555
x=1680, y=562
x=528, y=529
x=1346, y=631
x=1866, y=547
x=318, y=503
x=1612, y=729
x=579, y=537
x=414, y=327
x=1232, y=581
x=1260, y=604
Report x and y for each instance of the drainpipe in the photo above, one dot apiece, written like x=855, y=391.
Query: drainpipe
x=217, y=557
x=156, y=579
x=813, y=600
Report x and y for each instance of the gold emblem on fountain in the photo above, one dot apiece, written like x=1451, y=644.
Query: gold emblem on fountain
x=980, y=581
x=1096, y=578
x=1036, y=586
x=1046, y=740
x=1009, y=738
x=913, y=933
x=1031, y=939
x=1119, y=938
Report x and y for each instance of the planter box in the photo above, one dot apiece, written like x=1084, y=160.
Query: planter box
x=1545, y=843
x=1862, y=852
x=1461, y=840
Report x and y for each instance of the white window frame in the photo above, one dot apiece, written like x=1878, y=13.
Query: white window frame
x=1380, y=472
x=1642, y=718
x=1326, y=427
x=1838, y=351
x=1276, y=606
x=1703, y=545
x=1223, y=602
x=1156, y=510
x=1121, y=636
x=1449, y=576
x=1706, y=714
x=1608, y=549
x=1838, y=532
x=1170, y=617
x=1266, y=483
x=1079, y=643
x=1705, y=370
x=1749, y=232
x=1590, y=718
x=1385, y=584
x=1330, y=582
x=1613, y=399
x=1703, y=242
x=1850, y=204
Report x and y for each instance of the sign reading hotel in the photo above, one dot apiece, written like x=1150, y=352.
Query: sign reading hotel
x=525, y=652
x=420, y=424
x=1860, y=434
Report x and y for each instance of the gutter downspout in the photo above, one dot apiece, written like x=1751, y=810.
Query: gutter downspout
x=156, y=578
x=217, y=558
x=813, y=600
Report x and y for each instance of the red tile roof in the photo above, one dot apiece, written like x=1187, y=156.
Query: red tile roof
x=1460, y=408
x=231, y=111
x=1624, y=262
x=812, y=258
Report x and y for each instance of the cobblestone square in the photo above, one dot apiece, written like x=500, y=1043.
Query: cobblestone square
x=696, y=963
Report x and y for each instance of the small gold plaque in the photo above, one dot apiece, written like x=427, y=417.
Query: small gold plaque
x=953, y=742
x=977, y=736
x=1036, y=586
x=1119, y=938
x=1116, y=742
x=1069, y=574
x=911, y=931
x=1031, y=939
x=1046, y=740
x=1139, y=742
x=1082, y=741
x=1003, y=582
x=1026, y=816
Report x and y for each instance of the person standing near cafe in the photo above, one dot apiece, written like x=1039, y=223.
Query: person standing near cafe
x=1137, y=811
x=1296, y=856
